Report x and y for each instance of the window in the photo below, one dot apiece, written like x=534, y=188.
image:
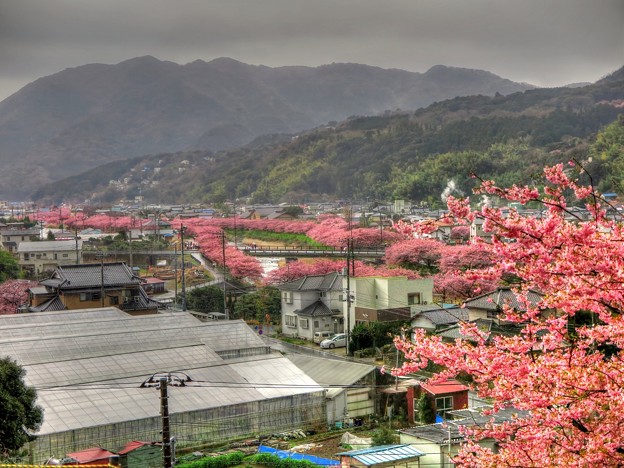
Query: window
x=316, y=324
x=413, y=298
x=291, y=321
x=492, y=314
x=287, y=297
x=90, y=296
x=113, y=300
x=444, y=404
x=322, y=294
x=303, y=323
x=65, y=255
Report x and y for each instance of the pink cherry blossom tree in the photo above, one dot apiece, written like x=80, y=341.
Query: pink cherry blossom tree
x=567, y=373
x=13, y=294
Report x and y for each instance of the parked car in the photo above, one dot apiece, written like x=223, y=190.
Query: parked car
x=337, y=341
x=322, y=335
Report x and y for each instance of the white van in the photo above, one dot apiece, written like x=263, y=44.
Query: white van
x=322, y=335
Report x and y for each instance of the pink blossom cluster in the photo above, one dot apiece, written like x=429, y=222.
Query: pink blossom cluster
x=13, y=294
x=568, y=373
x=294, y=270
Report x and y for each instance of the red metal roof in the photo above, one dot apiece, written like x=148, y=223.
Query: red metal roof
x=135, y=444
x=450, y=386
x=91, y=455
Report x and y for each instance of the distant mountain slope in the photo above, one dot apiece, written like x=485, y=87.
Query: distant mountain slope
x=79, y=118
x=412, y=155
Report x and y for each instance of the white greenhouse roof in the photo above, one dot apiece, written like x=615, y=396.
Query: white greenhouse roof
x=87, y=366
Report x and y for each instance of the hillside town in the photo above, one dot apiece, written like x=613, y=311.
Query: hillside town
x=348, y=234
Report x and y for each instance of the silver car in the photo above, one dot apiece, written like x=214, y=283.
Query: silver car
x=338, y=341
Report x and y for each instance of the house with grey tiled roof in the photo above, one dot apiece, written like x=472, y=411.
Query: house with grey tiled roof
x=490, y=305
x=435, y=317
x=435, y=440
x=11, y=238
x=312, y=303
x=44, y=256
x=92, y=285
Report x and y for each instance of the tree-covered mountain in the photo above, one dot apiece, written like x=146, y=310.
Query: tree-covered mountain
x=80, y=118
x=416, y=155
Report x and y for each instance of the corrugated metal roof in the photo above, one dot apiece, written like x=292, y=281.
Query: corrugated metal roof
x=49, y=246
x=103, y=362
x=384, y=454
x=331, y=373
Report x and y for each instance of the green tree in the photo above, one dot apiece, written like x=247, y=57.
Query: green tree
x=257, y=305
x=384, y=435
x=246, y=306
x=206, y=299
x=9, y=268
x=19, y=413
x=426, y=415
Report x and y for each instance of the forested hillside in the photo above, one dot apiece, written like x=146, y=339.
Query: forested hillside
x=416, y=156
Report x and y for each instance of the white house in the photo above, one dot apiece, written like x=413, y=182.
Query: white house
x=45, y=256
x=381, y=299
x=311, y=304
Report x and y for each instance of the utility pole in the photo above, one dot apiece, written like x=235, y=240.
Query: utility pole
x=175, y=269
x=162, y=383
x=182, y=228
x=225, y=308
x=348, y=328
x=101, y=256
x=166, y=427
x=77, y=251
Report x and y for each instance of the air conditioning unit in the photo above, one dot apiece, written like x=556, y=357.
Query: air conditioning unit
x=425, y=302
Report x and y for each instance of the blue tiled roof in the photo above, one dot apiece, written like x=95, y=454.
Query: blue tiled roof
x=384, y=454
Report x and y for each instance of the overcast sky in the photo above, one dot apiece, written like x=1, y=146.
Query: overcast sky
x=543, y=42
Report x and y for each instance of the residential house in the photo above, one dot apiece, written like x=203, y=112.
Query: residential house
x=11, y=238
x=92, y=285
x=439, y=440
x=442, y=397
x=45, y=256
x=435, y=318
x=266, y=212
x=385, y=299
x=490, y=305
x=154, y=228
x=477, y=232
x=311, y=304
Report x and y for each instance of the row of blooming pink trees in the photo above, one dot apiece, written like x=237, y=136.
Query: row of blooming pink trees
x=570, y=377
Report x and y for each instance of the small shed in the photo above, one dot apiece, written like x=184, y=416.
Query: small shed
x=90, y=456
x=137, y=454
x=443, y=397
x=402, y=455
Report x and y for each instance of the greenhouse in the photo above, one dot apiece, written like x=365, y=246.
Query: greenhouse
x=88, y=367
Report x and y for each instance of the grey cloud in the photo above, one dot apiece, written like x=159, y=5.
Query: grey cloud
x=544, y=42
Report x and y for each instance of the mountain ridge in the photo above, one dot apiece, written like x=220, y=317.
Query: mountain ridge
x=397, y=154
x=75, y=119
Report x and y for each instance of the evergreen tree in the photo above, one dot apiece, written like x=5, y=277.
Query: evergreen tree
x=19, y=413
